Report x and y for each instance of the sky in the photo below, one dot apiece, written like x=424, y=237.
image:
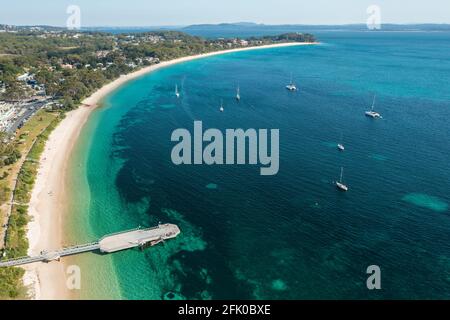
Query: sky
x=186, y=12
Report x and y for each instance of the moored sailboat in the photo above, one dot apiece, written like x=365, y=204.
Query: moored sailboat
x=371, y=113
x=339, y=184
x=340, y=145
x=291, y=86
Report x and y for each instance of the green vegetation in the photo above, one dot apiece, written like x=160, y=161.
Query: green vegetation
x=290, y=37
x=11, y=286
x=71, y=65
x=4, y=192
x=9, y=153
x=16, y=243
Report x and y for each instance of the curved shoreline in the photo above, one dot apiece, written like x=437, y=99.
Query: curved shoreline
x=48, y=201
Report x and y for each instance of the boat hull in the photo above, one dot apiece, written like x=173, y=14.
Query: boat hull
x=372, y=114
x=341, y=186
x=291, y=88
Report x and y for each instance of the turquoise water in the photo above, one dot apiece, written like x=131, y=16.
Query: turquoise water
x=293, y=235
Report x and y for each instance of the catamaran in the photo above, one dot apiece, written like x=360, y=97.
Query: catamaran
x=371, y=113
x=221, y=106
x=238, y=94
x=291, y=86
x=176, y=91
x=339, y=184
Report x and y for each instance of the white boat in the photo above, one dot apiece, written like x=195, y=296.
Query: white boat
x=371, y=113
x=221, y=106
x=291, y=86
x=339, y=184
x=238, y=94
x=340, y=145
x=176, y=91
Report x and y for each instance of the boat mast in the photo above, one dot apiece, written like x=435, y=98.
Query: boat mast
x=342, y=173
x=373, y=102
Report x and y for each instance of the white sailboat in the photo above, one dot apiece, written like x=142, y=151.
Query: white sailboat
x=238, y=94
x=176, y=91
x=341, y=145
x=339, y=184
x=221, y=106
x=371, y=113
x=291, y=86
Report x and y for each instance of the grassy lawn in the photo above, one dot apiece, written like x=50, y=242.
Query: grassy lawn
x=30, y=140
x=23, y=140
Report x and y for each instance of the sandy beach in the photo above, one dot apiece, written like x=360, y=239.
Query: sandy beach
x=49, y=195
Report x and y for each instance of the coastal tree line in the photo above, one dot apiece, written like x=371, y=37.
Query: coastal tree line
x=72, y=65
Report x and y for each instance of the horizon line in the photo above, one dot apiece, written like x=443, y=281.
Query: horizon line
x=230, y=23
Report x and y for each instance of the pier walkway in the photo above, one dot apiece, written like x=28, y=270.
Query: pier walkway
x=108, y=244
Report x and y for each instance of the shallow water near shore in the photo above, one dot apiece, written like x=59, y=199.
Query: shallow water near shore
x=293, y=235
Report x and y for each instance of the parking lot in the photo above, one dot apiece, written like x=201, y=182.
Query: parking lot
x=19, y=113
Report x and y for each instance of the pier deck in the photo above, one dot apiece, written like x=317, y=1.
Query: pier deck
x=126, y=240
x=107, y=244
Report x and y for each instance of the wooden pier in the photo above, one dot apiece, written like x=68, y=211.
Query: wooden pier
x=108, y=244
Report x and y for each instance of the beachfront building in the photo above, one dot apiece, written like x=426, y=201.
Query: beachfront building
x=67, y=66
x=25, y=77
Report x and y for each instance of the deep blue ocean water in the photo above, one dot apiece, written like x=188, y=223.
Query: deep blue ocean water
x=293, y=235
